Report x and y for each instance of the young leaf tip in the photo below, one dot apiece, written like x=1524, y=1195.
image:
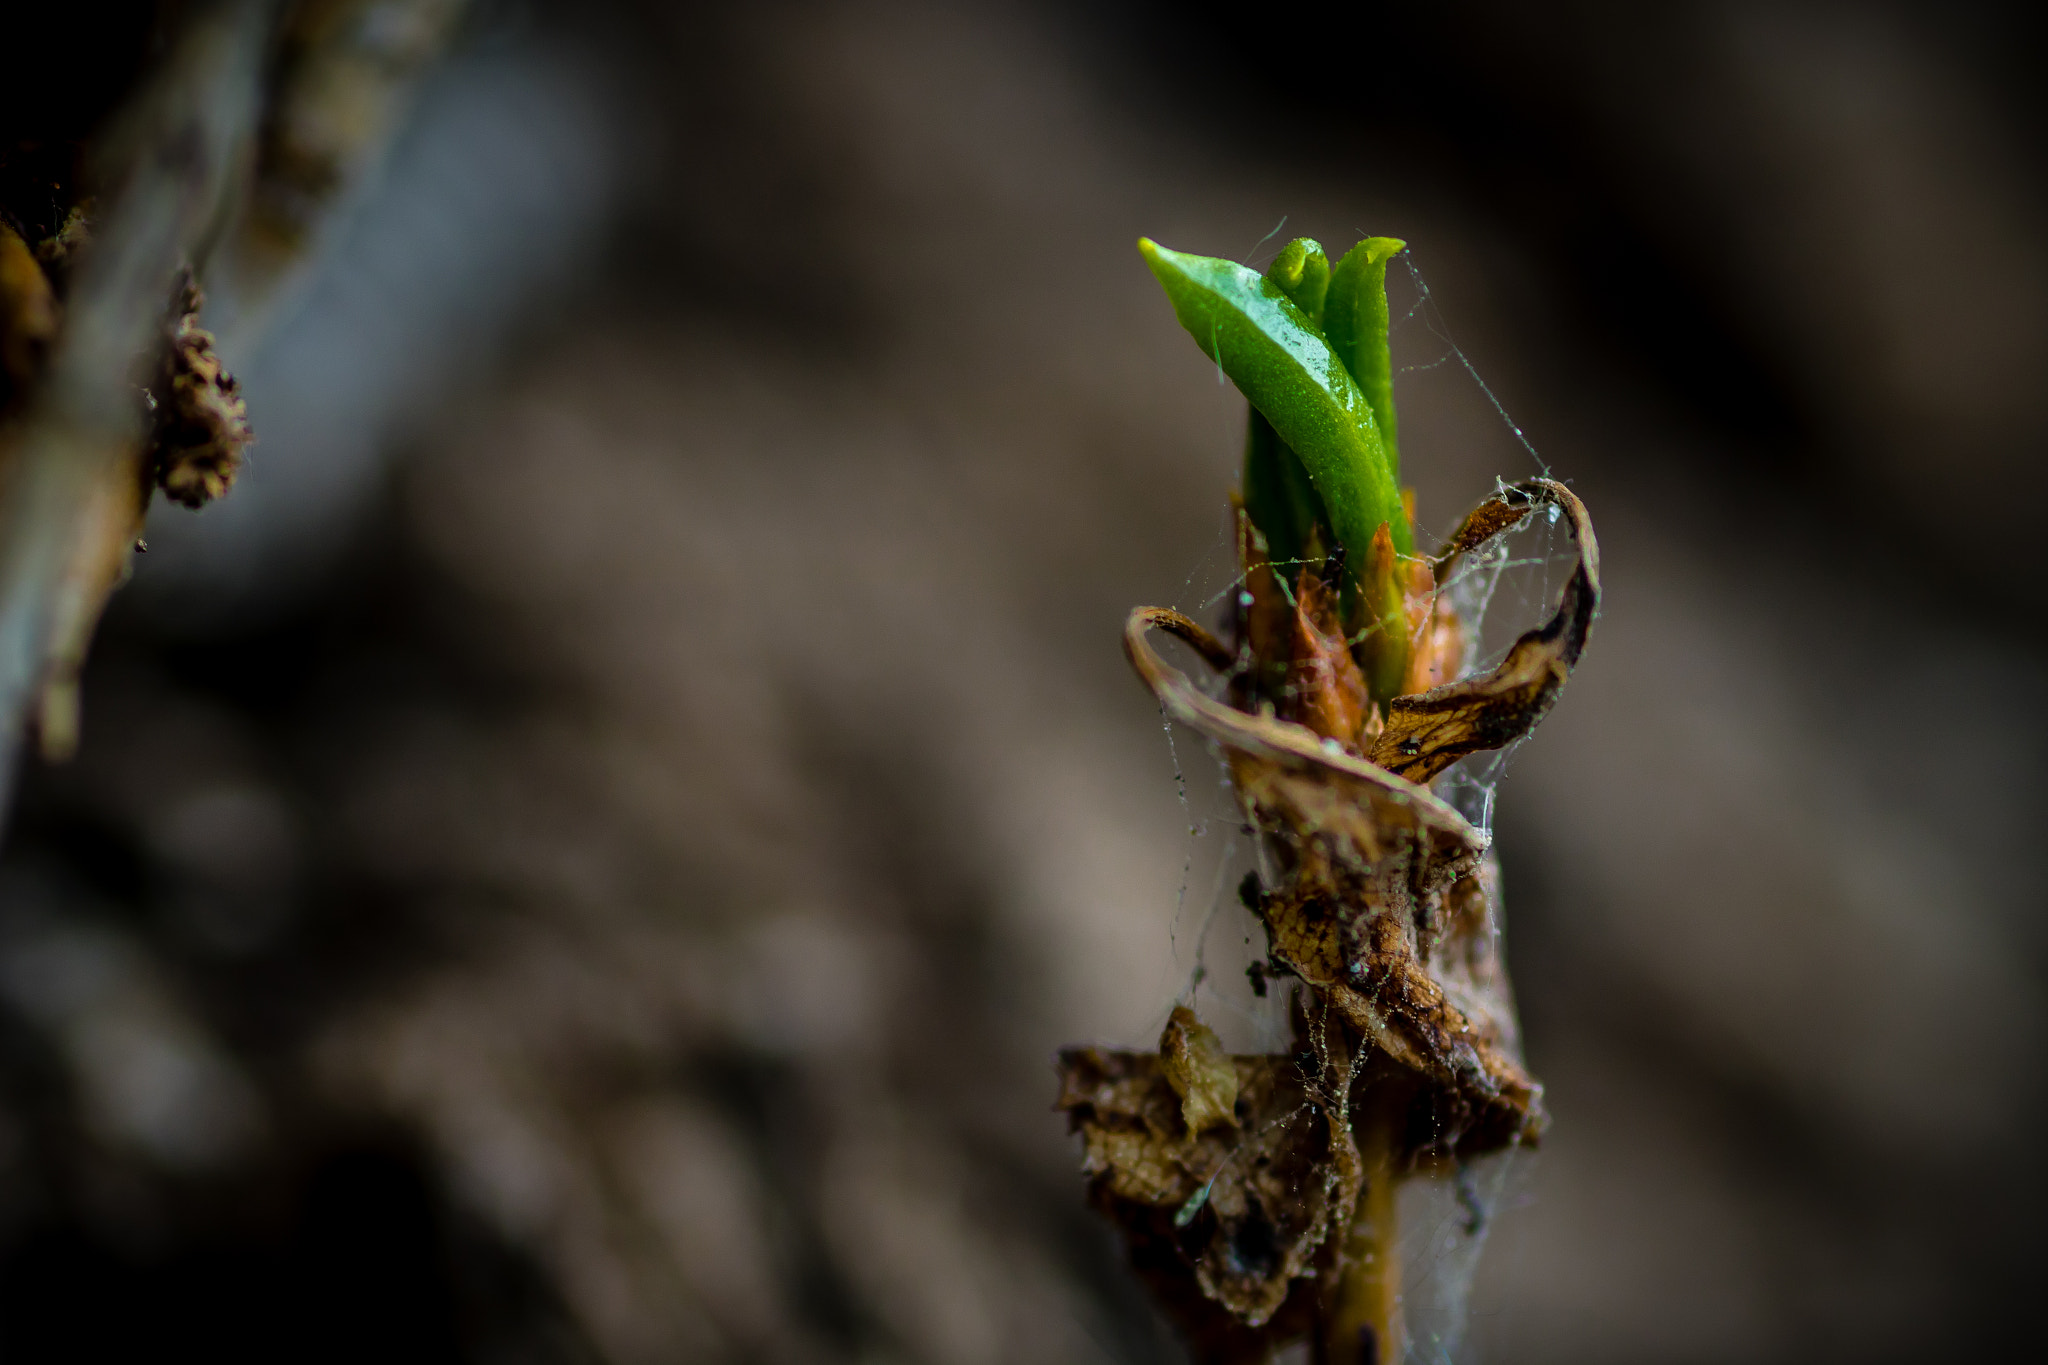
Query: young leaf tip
x=1302, y=271
x=1272, y=343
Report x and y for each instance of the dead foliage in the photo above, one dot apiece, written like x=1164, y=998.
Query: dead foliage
x=1386, y=911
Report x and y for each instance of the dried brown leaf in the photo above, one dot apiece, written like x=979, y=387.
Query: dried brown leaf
x=1386, y=908
x=1427, y=732
x=1239, y=1214
x=1200, y=1072
x=1437, y=635
x=1299, y=662
x=1388, y=903
x=1325, y=689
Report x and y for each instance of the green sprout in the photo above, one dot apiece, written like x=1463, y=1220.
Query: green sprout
x=1307, y=346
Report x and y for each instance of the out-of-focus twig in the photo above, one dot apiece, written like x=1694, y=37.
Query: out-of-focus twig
x=71, y=493
x=228, y=162
x=28, y=313
x=344, y=73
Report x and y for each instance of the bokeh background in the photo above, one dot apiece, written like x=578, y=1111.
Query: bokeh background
x=588, y=854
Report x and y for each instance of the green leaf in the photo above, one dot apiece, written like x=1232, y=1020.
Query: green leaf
x=1278, y=495
x=1355, y=321
x=1274, y=354
x=1303, y=273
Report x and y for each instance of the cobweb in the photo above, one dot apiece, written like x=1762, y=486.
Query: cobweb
x=1499, y=592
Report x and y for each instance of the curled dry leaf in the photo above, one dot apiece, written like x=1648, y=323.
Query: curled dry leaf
x=1193, y=1060
x=1386, y=908
x=201, y=422
x=1428, y=732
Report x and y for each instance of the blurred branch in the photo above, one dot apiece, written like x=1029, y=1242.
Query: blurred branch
x=228, y=161
x=71, y=491
x=342, y=76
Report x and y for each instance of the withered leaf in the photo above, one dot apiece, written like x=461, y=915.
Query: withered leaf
x=1374, y=808
x=1195, y=1064
x=1276, y=1187
x=1325, y=689
x=1416, y=969
x=1427, y=732
x=1384, y=904
x=1388, y=905
x=1436, y=632
x=1299, y=661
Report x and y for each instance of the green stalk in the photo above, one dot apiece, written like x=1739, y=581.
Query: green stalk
x=1280, y=498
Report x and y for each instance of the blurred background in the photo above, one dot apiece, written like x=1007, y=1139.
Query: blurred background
x=588, y=853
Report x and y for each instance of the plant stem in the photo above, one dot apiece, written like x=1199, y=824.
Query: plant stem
x=1363, y=1326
